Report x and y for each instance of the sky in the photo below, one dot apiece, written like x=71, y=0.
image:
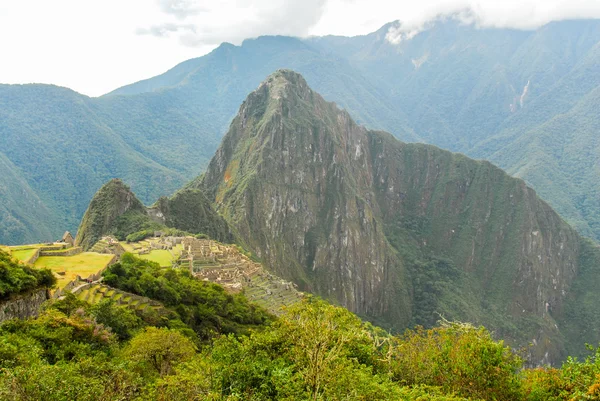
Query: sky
x=95, y=46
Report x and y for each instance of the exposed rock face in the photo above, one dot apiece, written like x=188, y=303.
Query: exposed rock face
x=23, y=306
x=393, y=231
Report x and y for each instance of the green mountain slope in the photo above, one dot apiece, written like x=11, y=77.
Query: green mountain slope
x=478, y=91
x=21, y=210
x=490, y=92
x=154, y=136
x=115, y=210
x=396, y=232
x=63, y=151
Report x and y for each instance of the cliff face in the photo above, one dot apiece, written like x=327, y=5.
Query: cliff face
x=23, y=306
x=395, y=232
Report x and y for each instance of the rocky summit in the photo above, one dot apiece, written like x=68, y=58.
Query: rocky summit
x=399, y=233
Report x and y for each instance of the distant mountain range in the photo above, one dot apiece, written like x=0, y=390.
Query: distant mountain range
x=524, y=100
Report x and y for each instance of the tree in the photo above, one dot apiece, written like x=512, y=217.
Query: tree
x=122, y=320
x=161, y=348
x=458, y=358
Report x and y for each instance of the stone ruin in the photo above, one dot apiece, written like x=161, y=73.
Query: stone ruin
x=211, y=261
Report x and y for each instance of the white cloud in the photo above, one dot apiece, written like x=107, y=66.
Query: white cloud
x=94, y=46
x=236, y=20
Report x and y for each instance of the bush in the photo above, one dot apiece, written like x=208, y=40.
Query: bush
x=16, y=278
x=458, y=358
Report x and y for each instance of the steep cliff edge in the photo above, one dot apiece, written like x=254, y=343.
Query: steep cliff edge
x=398, y=233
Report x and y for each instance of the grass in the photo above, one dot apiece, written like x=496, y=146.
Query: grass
x=163, y=257
x=24, y=254
x=83, y=264
x=128, y=247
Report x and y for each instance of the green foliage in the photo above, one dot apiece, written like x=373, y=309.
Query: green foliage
x=139, y=235
x=458, y=358
x=16, y=278
x=430, y=280
x=204, y=306
x=161, y=348
x=575, y=380
x=122, y=320
x=189, y=210
x=314, y=351
x=62, y=337
x=90, y=379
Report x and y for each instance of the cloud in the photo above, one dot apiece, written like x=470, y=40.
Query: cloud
x=211, y=23
x=198, y=23
x=165, y=30
x=516, y=14
x=181, y=9
x=403, y=31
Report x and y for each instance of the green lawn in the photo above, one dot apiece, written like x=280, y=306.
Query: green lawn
x=83, y=264
x=128, y=247
x=163, y=257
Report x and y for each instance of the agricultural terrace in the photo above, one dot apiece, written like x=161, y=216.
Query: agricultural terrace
x=67, y=268
x=23, y=252
x=145, y=250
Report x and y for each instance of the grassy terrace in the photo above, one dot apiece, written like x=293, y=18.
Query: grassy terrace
x=84, y=265
x=163, y=257
x=23, y=255
x=98, y=292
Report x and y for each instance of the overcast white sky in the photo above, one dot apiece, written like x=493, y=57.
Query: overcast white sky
x=95, y=46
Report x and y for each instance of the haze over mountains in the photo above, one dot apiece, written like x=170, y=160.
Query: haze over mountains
x=522, y=99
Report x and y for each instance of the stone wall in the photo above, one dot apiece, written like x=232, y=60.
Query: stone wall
x=34, y=257
x=23, y=306
x=70, y=252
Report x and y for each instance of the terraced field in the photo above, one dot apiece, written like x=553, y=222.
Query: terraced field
x=67, y=268
x=270, y=295
x=165, y=258
x=98, y=292
x=23, y=254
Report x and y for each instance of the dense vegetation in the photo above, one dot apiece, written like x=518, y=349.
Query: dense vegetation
x=16, y=278
x=203, y=306
x=314, y=351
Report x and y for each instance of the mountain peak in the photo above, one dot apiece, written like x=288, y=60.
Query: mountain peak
x=282, y=82
x=360, y=218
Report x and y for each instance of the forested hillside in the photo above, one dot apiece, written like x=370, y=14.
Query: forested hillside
x=206, y=344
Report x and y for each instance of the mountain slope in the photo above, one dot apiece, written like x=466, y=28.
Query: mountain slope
x=478, y=91
x=115, y=210
x=396, y=232
x=488, y=92
x=21, y=210
x=63, y=151
x=156, y=134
